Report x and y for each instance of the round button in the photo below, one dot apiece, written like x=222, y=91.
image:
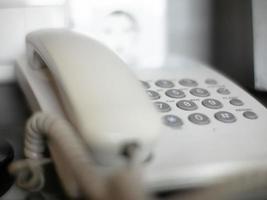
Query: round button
x=172, y=121
x=223, y=91
x=188, y=82
x=174, y=93
x=236, y=102
x=212, y=103
x=164, y=84
x=162, y=107
x=186, y=105
x=199, y=119
x=145, y=84
x=153, y=95
x=250, y=115
x=211, y=81
x=225, y=117
x=200, y=92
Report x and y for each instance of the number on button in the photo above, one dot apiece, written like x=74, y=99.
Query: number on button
x=162, y=107
x=186, y=105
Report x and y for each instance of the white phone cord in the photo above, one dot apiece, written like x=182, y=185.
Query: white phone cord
x=62, y=139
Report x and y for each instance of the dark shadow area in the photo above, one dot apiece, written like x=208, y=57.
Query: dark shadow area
x=232, y=35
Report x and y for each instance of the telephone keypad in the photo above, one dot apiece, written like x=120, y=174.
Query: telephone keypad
x=200, y=92
x=180, y=98
x=175, y=93
x=162, y=107
x=187, y=105
x=199, y=119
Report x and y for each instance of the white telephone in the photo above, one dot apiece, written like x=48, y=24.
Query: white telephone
x=211, y=126
x=92, y=84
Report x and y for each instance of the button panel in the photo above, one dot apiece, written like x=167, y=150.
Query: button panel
x=179, y=98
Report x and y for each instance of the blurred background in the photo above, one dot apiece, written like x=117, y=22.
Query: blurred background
x=229, y=35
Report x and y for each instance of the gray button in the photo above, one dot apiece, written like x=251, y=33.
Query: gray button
x=186, y=105
x=198, y=118
x=200, y=92
x=188, y=82
x=164, y=84
x=174, y=93
x=145, y=84
x=250, y=115
x=236, y=102
x=212, y=103
x=225, y=117
x=162, y=107
x=211, y=81
x=223, y=91
x=172, y=121
x=153, y=95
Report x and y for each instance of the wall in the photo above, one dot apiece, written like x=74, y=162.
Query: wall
x=217, y=32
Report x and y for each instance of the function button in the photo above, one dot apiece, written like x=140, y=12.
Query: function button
x=188, y=82
x=164, y=84
x=162, y=107
x=172, y=121
x=200, y=92
x=175, y=93
x=223, y=91
x=145, y=84
x=211, y=81
x=198, y=118
x=250, y=115
x=153, y=95
x=236, y=102
x=186, y=105
x=212, y=103
x=225, y=117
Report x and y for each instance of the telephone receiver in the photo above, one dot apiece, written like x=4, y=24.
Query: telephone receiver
x=79, y=79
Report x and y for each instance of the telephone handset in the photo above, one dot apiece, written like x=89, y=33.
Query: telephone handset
x=93, y=88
